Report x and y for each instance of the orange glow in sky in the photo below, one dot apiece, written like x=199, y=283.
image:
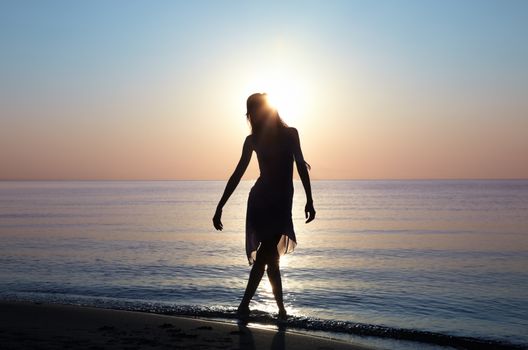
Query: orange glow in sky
x=159, y=92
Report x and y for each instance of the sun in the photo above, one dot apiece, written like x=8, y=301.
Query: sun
x=286, y=100
x=286, y=93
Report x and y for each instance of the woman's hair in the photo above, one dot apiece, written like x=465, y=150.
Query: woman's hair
x=256, y=102
x=253, y=104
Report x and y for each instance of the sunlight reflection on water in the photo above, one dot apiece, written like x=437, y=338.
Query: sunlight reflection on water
x=447, y=256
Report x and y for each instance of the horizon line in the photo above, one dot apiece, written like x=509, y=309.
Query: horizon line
x=295, y=179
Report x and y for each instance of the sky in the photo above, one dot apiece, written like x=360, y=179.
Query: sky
x=156, y=89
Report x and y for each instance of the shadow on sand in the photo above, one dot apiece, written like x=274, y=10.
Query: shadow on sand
x=247, y=342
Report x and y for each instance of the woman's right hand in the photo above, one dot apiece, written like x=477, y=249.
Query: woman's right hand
x=217, y=219
x=309, y=212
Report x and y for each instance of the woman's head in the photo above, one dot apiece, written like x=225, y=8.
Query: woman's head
x=261, y=114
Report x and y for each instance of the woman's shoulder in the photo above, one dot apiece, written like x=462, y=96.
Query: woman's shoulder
x=288, y=130
x=290, y=135
x=250, y=141
x=292, y=132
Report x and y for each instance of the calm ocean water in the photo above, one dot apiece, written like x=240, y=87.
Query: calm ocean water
x=428, y=260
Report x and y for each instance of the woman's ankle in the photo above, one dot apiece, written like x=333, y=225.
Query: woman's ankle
x=243, y=306
x=282, y=314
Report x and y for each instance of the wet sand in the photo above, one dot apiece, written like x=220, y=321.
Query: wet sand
x=26, y=325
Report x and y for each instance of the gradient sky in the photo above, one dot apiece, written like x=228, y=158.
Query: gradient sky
x=157, y=89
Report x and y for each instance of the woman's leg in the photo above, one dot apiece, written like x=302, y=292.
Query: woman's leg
x=266, y=253
x=274, y=276
x=257, y=271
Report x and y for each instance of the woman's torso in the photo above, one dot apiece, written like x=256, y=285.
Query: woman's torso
x=275, y=159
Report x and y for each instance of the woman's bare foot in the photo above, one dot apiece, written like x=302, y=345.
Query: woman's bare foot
x=243, y=311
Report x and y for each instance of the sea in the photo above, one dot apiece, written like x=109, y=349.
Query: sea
x=396, y=264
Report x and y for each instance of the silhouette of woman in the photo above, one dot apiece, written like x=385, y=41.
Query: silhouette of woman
x=269, y=225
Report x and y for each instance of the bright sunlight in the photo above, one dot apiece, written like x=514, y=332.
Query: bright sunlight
x=287, y=92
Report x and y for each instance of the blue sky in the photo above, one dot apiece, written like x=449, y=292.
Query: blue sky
x=60, y=59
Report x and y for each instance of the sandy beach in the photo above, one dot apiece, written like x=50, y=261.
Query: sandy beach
x=51, y=326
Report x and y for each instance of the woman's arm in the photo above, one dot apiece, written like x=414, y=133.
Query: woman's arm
x=302, y=169
x=233, y=181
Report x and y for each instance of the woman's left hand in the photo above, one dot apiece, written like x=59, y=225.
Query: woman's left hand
x=217, y=220
x=309, y=212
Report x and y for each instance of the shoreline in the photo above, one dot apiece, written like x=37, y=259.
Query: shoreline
x=26, y=325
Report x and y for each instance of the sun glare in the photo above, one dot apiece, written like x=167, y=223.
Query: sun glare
x=286, y=93
x=287, y=100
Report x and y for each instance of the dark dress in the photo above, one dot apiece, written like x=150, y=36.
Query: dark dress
x=269, y=208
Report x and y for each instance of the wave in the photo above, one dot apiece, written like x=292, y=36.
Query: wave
x=335, y=326
x=294, y=322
